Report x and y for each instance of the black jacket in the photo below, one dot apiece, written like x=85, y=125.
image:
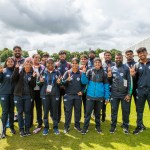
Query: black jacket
x=18, y=78
x=143, y=74
x=121, y=81
x=6, y=86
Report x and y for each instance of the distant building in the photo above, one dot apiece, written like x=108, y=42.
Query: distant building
x=143, y=43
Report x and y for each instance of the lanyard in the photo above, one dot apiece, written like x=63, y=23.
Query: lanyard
x=47, y=79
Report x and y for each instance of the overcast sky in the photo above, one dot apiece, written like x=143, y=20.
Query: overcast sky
x=73, y=24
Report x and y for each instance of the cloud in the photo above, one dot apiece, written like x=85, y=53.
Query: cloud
x=73, y=24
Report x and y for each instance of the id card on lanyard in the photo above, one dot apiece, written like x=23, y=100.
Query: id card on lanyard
x=49, y=86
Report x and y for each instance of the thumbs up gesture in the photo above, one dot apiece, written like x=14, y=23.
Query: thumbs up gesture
x=109, y=74
x=34, y=74
x=132, y=71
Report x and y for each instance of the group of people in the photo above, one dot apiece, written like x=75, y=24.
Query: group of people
x=43, y=83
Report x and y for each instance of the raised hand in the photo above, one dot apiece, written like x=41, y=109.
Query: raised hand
x=132, y=71
x=34, y=74
x=17, y=65
x=58, y=80
x=41, y=79
x=1, y=69
x=69, y=77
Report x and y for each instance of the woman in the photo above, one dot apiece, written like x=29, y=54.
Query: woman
x=73, y=96
x=50, y=93
x=25, y=81
x=97, y=90
x=6, y=95
x=39, y=69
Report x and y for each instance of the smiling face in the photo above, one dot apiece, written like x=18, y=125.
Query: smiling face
x=9, y=63
x=75, y=65
x=17, y=52
x=97, y=64
x=50, y=65
x=142, y=55
x=83, y=61
x=28, y=65
x=36, y=59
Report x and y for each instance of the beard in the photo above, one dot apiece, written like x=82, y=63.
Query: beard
x=118, y=63
x=17, y=55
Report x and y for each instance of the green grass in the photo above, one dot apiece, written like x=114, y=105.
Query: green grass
x=92, y=140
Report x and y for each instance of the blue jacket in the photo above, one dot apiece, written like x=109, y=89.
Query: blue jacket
x=6, y=86
x=98, y=86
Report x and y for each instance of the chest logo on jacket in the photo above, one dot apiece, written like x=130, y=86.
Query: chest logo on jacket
x=78, y=79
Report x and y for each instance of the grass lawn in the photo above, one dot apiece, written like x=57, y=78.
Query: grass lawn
x=92, y=140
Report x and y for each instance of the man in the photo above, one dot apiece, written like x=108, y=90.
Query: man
x=83, y=64
x=91, y=58
x=19, y=59
x=107, y=63
x=131, y=64
x=17, y=52
x=62, y=65
x=142, y=70
x=121, y=90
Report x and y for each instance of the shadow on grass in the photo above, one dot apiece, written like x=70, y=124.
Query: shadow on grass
x=74, y=139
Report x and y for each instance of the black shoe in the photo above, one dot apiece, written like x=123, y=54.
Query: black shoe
x=138, y=130
x=78, y=129
x=84, y=131
x=22, y=133
x=28, y=133
x=13, y=131
x=143, y=126
x=98, y=130
x=3, y=135
x=126, y=131
x=112, y=130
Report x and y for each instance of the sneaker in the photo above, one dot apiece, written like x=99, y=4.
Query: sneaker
x=13, y=131
x=143, y=126
x=56, y=131
x=3, y=135
x=78, y=129
x=137, y=130
x=66, y=130
x=45, y=131
x=112, y=130
x=84, y=131
x=98, y=130
x=126, y=131
x=28, y=133
x=22, y=133
x=37, y=130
